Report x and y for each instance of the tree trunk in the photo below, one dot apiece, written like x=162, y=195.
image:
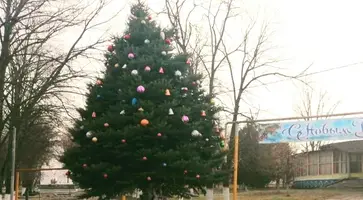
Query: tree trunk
x=147, y=194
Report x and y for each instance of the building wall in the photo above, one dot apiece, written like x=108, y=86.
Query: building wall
x=323, y=168
x=323, y=164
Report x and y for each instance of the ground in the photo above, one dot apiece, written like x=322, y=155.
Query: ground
x=323, y=194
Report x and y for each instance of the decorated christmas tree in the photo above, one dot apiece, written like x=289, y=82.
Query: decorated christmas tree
x=147, y=123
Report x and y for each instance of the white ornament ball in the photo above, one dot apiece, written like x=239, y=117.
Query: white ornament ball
x=147, y=41
x=196, y=133
x=89, y=134
x=134, y=72
x=163, y=53
x=178, y=73
x=143, y=22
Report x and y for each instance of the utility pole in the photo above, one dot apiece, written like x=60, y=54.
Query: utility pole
x=12, y=182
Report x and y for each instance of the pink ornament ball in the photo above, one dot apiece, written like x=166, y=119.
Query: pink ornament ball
x=148, y=178
x=185, y=118
x=147, y=69
x=140, y=89
x=131, y=55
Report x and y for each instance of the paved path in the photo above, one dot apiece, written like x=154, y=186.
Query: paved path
x=348, y=197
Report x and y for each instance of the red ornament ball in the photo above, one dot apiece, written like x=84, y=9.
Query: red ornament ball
x=168, y=41
x=127, y=36
x=110, y=48
x=68, y=173
x=149, y=17
x=105, y=176
x=123, y=141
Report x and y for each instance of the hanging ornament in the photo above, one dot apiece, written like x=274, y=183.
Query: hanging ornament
x=89, y=134
x=212, y=101
x=148, y=178
x=185, y=171
x=159, y=134
x=110, y=48
x=140, y=89
x=144, y=158
x=148, y=17
x=207, y=139
x=117, y=65
x=168, y=41
x=134, y=72
x=147, y=69
x=141, y=109
x=143, y=22
x=134, y=101
x=105, y=175
x=222, y=144
x=164, y=164
x=161, y=70
x=185, y=119
x=196, y=133
x=162, y=35
x=184, y=89
x=124, y=66
x=171, y=111
x=163, y=53
x=122, y=112
x=106, y=125
x=131, y=55
x=202, y=113
x=178, y=73
x=84, y=165
x=197, y=176
x=189, y=61
x=94, y=139
x=98, y=82
x=147, y=41
x=93, y=114
x=127, y=36
x=167, y=92
x=144, y=122
x=194, y=83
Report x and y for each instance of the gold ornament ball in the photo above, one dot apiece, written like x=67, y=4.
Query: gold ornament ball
x=94, y=139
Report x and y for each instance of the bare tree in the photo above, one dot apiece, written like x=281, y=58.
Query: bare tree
x=35, y=73
x=253, y=67
x=313, y=104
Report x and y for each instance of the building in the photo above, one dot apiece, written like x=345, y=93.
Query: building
x=332, y=164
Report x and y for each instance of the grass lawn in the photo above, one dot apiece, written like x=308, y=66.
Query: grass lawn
x=284, y=195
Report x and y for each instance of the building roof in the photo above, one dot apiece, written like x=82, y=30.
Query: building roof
x=350, y=146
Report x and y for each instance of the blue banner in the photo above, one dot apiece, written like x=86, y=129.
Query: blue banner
x=318, y=130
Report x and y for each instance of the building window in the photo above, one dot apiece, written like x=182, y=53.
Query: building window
x=325, y=162
x=337, y=162
x=313, y=163
x=355, y=162
x=302, y=165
